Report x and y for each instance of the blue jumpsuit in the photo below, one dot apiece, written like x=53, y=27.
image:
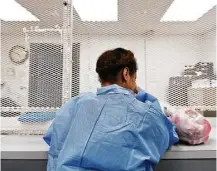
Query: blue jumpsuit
x=108, y=131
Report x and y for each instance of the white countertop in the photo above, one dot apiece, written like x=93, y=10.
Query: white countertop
x=33, y=147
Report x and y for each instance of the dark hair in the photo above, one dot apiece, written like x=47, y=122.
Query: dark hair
x=111, y=62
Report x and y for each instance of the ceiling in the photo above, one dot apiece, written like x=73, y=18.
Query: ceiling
x=135, y=17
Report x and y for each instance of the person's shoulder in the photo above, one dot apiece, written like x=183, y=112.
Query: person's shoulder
x=148, y=108
x=80, y=98
x=137, y=106
x=86, y=97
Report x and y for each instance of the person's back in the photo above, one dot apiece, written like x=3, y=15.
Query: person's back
x=110, y=130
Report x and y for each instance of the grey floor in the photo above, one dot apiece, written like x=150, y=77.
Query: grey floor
x=165, y=165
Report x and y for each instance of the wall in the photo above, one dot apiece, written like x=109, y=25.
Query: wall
x=16, y=77
x=16, y=86
x=162, y=57
x=166, y=56
x=98, y=44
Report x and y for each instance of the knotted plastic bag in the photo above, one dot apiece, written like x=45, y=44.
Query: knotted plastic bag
x=191, y=126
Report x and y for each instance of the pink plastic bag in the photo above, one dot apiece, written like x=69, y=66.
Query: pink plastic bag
x=192, y=127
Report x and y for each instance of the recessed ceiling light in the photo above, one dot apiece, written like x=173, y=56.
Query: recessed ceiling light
x=188, y=10
x=97, y=10
x=10, y=10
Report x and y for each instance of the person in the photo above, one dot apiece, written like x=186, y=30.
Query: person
x=110, y=130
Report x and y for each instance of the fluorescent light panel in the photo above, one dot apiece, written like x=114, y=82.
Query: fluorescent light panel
x=10, y=10
x=188, y=10
x=97, y=10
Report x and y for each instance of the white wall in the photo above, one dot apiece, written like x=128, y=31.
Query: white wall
x=166, y=57
x=98, y=44
x=16, y=86
x=16, y=77
x=162, y=57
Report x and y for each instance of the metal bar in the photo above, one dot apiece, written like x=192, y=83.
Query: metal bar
x=51, y=109
x=28, y=109
x=67, y=50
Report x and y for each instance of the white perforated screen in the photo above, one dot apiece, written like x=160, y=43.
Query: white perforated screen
x=44, y=63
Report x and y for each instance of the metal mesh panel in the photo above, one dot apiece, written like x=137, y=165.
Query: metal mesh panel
x=32, y=68
x=176, y=59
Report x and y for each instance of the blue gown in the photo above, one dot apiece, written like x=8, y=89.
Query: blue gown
x=143, y=96
x=108, y=131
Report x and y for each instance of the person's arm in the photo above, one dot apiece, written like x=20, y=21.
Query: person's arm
x=158, y=134
x=143, y=96
x=58, y=130
x=63, y=118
